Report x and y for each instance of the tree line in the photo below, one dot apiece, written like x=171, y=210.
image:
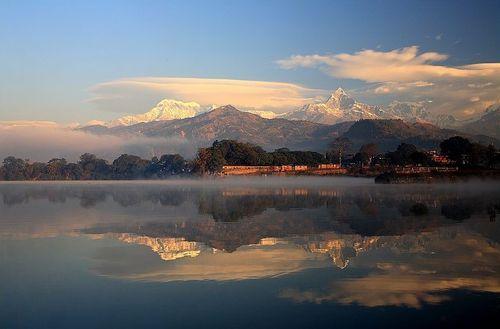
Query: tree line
x=90, y=167
x=462, y=152
x=211, y=159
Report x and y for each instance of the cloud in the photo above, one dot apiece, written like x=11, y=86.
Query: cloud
x=117, y=95
x=409, y=73
x=401, y=65
x=44, y=140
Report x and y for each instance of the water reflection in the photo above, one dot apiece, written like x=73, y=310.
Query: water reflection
x=402, y=245
x=413, y=269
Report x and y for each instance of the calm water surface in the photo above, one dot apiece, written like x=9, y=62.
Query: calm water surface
x=249, y=253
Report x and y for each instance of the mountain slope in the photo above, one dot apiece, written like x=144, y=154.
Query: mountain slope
x=227, y=122
x=488, y=124
x=388, y=134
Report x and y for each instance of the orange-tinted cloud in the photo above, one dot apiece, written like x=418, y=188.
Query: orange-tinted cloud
x=245, y=94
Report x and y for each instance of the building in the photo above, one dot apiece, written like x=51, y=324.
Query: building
x=439, y=158
x=329, y=166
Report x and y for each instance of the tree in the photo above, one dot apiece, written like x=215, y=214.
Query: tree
x=456, y=148
x=338, y=148
x=72, y=171
x=171, y=164
x=129, y=167
x=14, y=168
x=402, y=155
x=36, y=170
x=55, y=169
x=366, y=153
x=93, y=167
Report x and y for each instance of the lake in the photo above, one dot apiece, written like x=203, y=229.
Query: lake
x=254, y=252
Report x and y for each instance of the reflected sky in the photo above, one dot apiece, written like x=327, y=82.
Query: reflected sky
x=322, y=244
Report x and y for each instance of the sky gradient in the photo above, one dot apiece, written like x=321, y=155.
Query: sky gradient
x=66, y=61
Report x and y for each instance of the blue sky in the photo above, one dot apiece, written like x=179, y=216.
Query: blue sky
x=54, y=53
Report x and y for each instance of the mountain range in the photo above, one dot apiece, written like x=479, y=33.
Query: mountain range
x=227, y=122
x=341, y=107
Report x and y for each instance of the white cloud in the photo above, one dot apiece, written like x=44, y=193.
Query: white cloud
x=44, y=140
x=117, y=95
x=409, y=73
x=402, y=65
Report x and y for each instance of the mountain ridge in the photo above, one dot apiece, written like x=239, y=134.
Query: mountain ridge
x=227, y=122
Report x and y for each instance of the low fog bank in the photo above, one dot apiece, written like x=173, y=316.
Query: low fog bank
x=42, y=143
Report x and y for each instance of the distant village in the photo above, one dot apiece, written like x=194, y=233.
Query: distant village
x=442, y=164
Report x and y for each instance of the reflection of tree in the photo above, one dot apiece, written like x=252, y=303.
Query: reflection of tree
x=226, y=236
x=378, y=210
x=89, y=199
x=230, y=208
x=456, y=211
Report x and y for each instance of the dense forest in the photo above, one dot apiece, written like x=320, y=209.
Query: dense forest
x=210, y=160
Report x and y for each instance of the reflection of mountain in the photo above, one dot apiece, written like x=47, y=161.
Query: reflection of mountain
x=340, y=249
x=414, y=270
x=167, y=248
x=249, y=262
x=408, y=270
x=224, y=236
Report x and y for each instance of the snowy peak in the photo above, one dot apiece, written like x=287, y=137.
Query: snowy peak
x=408, y=111
x=167, y=109
x=339, y=107
x=340, y=100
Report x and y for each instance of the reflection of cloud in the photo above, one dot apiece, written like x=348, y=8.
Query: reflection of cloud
x=248, y=262
x=385, y=290
x=407, y=73
x=424, y=273
x=116, y=95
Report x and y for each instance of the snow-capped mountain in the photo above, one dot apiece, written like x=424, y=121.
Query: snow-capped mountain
x=408, y=111
x=339, y=107
x=167, y=109
x=267, y=114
